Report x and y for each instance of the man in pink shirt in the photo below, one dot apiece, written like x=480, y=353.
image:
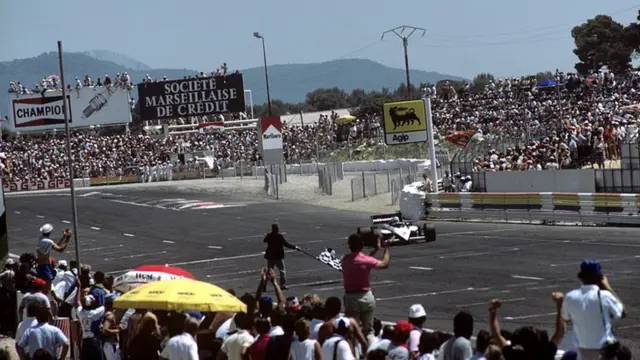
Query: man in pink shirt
x=359, y=301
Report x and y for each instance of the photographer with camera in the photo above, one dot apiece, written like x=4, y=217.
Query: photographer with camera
x=359, y=301
x=592, y=309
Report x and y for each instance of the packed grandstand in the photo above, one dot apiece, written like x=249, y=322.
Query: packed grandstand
x=568, y=122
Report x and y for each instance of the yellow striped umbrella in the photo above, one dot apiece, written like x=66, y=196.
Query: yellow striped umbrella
x=180, y=295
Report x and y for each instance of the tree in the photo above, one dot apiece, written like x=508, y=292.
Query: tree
x=481, y=80
x=632, y=36
x=547, y=75
x=327, y=99
x=602, y=42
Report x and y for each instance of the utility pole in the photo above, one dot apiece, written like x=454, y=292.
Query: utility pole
x=399, y=31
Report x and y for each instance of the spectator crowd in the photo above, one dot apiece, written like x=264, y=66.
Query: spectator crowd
x=565, y=123
x=39, y=294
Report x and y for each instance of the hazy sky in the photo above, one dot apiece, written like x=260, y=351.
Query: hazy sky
x=464, y=37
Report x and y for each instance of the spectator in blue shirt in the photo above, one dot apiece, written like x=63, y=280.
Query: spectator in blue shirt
x=42, y=336
x=97, y=290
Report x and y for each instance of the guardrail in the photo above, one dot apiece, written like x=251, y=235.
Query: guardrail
x=546, y=207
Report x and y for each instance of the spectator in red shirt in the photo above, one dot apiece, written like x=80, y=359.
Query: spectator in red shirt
x=258, y=349
x=356, y=269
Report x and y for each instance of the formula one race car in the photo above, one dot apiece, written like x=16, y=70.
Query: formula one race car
x=395, y=230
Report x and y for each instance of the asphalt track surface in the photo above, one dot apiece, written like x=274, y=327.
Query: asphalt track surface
x=468, y=265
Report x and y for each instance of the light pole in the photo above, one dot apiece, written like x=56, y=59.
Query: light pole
x=257, y=35
x=66, y=110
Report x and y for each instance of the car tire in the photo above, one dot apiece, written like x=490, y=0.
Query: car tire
x=429, y=231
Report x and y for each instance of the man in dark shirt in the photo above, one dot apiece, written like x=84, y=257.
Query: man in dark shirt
x=275, y=252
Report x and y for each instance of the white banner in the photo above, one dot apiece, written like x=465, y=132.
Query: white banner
x=89, y=106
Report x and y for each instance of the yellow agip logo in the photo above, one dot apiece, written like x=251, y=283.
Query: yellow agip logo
x=405, y=116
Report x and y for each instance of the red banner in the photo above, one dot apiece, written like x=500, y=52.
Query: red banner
x=14, y=186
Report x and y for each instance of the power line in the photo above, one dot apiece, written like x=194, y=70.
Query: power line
x=399, y=31
x=525, y=31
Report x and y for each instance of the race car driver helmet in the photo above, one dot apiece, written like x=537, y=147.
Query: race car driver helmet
x=395, y=219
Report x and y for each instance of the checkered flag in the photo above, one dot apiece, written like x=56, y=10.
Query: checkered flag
x=328, y=256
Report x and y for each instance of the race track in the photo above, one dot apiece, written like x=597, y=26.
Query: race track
x=467, y=266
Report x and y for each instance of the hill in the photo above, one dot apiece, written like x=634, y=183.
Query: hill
x=289, y=83
x=120, y=59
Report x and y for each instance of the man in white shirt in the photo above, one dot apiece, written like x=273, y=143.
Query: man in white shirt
x=236, y=345
x=337, y=347
x=591, y=309
x=38, y=295
x=183, y=346
x=43, y=250
x=88, y=314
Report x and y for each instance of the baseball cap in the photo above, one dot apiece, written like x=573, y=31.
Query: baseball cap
x=195, y=315
x=63, y=263
x=416, y=311
x=9, y=262
x=292, y=304
x=39, y=283
x=88, y=300
x=341, y=321
x=266, y=303
x=46, y=228
x=403, y=327
x=590, y=267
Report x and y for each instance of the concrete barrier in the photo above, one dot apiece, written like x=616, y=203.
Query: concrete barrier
x=544, y=207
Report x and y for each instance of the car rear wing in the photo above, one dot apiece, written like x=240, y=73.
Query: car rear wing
x=384, y=218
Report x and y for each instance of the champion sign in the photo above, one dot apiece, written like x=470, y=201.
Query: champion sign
x=39, y=111
x=191, y=97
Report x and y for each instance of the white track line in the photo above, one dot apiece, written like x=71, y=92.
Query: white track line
x=420, y=268
x=527, y=316
x=526, y=277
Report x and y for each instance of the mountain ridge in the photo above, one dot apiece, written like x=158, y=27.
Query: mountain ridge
x=287, y=82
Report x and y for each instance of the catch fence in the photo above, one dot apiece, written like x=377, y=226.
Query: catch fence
x=328, y=174
x=367, y=184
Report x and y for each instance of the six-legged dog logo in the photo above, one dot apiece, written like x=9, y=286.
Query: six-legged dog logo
x=402, y=116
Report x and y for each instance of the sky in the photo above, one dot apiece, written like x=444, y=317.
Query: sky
x=463, y=37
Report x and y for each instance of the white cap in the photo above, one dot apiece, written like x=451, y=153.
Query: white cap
x=341, y=320
x=10, y=262
x=416, y=311
x=46, y=228
x=88, y=300
x=62, y=263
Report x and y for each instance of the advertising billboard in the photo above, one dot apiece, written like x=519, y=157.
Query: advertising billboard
x=88, y=106
x=270, y=140
x=405, y=122
x=191, y=97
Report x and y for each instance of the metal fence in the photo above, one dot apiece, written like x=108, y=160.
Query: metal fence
x=328, y=174
x=368, y=184
x=272, y=184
